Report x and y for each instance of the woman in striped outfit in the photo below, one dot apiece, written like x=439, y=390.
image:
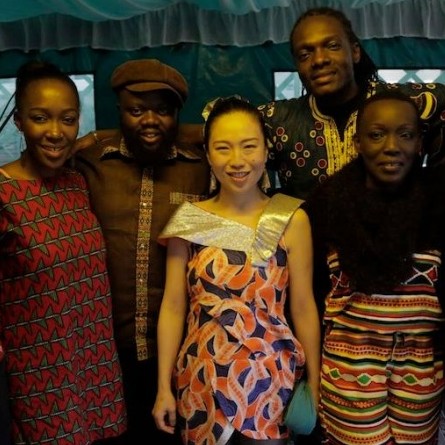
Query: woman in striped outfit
x=380, y=222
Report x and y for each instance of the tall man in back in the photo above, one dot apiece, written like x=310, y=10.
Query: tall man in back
x=313, y=135
x=137, y=179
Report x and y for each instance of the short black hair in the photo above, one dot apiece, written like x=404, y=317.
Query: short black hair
x=388, y=95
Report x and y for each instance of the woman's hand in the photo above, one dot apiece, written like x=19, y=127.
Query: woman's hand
x=85, y=141
x=94, y=138
x=315, y=390
x=164, y=411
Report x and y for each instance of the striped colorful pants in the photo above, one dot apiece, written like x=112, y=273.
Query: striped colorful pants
x=380, y=388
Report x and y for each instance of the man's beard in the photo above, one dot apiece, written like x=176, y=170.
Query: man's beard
x=149, y=153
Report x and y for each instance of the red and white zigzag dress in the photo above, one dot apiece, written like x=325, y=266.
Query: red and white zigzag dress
x=55, y=314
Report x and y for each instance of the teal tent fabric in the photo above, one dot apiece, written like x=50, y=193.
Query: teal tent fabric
x=133, y=24
x=214, y=71
x=99, y=10
x=221, y=46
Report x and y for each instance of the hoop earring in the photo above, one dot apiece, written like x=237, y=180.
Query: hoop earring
x=265, y=182
x=213, y=183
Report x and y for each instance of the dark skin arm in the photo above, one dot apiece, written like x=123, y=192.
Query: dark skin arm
x=92, y=138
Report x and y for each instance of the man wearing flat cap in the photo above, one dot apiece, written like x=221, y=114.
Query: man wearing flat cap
x=137, y=179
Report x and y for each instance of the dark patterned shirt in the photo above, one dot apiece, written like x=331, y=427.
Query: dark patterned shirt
x=307, y=145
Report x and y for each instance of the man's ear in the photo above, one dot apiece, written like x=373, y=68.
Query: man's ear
x=17, y=121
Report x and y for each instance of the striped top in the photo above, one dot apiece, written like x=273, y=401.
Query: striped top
x=412, y=307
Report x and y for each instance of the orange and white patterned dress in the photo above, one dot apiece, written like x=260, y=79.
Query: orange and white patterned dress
x=240, y=359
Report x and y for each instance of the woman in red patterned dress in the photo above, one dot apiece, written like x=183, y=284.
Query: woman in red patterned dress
x=64, y=378
x=232, y=260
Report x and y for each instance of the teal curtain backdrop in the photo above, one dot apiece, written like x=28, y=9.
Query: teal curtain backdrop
x=214, y=71
x=222, y=47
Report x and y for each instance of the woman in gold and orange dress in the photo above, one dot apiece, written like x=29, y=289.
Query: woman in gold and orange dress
x=232, y=262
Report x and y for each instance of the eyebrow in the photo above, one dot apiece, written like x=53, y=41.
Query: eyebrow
x=242, y=140
x=46, y=109
x=325, y=40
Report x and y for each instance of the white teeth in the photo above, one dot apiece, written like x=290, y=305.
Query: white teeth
x=53, y=148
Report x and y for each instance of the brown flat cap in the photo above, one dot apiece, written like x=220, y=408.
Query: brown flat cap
x=149, y=75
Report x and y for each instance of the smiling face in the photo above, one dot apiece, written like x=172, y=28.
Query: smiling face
x=388, y=140
x=237, y=151
x=149, y=123
x=48, y=116
x=325, y=58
